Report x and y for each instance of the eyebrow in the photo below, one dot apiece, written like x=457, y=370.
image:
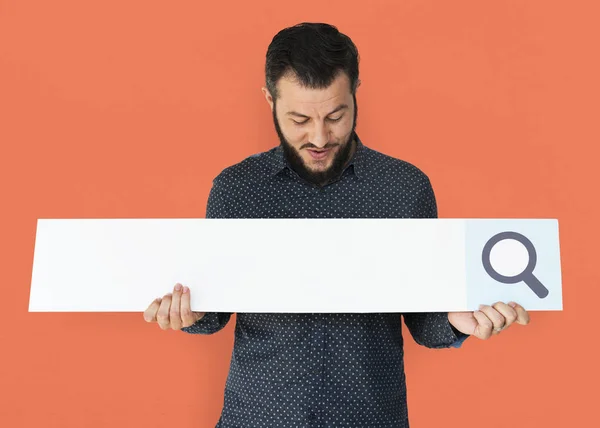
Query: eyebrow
x=335, y=110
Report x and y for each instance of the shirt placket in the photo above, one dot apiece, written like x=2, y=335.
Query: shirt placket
x=317, y=370
x=319, y=343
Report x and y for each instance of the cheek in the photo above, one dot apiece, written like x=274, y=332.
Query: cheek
x=296, y=135
x=342, y=129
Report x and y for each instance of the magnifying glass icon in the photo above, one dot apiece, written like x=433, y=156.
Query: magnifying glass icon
x=526, y=275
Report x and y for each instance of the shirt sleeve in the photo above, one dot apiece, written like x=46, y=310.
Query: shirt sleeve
x=212, y=322
x=431, y=329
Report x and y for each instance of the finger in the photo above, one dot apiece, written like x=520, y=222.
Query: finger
x=187, y=316
x=522, y=314
x=497, y=319
x=509, y=314
x=152, y=310
x=175, y=312
x=163, y=312
x=484, y=325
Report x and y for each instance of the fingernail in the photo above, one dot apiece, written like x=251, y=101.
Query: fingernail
x=185, y=289
x=481, y=307
x=177, y=287
x=169, y=294
x=512, y=304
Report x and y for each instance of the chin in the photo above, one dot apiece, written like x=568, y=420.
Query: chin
x=316, y=166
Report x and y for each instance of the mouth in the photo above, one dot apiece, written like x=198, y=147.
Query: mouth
x=318, y=154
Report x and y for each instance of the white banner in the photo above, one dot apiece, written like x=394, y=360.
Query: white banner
x=296, y=265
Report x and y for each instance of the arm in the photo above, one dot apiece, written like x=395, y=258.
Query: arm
x=212, y=322
x=431, y=329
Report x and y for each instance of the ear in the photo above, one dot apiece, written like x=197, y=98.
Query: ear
x=358, y=83
x=268, y=96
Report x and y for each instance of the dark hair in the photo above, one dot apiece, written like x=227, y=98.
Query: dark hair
x=315, y=53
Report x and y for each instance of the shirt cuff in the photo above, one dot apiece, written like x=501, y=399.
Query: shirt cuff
x=460, y=337
x=210, y=323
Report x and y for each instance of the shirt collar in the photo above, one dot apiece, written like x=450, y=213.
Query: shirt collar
x=279, y=163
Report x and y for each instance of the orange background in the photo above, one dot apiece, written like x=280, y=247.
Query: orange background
x=125, y=109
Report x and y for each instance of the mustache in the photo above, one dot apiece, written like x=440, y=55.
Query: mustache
x=326, y=147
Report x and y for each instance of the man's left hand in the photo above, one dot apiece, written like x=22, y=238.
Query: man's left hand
x=489, y=320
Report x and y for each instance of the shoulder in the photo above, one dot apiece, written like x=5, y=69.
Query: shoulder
x=386, y=168
x=255, y=167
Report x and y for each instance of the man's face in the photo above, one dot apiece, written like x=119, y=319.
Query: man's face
x=315, y=127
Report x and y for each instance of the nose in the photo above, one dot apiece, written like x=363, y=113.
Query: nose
x=320, y=136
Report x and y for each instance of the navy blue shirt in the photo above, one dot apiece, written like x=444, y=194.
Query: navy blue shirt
x=321, y=370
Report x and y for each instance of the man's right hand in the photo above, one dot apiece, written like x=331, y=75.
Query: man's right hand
x=173, y=310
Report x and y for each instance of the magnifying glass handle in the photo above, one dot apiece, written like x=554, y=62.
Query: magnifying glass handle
x=536, y=286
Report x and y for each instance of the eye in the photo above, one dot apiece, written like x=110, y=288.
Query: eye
x=336, y=119
x=299, y=123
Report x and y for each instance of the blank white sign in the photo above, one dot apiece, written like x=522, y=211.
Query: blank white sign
x=261, y=265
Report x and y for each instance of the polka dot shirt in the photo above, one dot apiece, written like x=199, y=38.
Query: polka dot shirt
x=321, y=370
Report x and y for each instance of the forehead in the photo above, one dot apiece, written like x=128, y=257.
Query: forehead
x=292, y=95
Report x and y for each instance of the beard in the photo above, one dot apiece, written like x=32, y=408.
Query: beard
x=295, y=161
